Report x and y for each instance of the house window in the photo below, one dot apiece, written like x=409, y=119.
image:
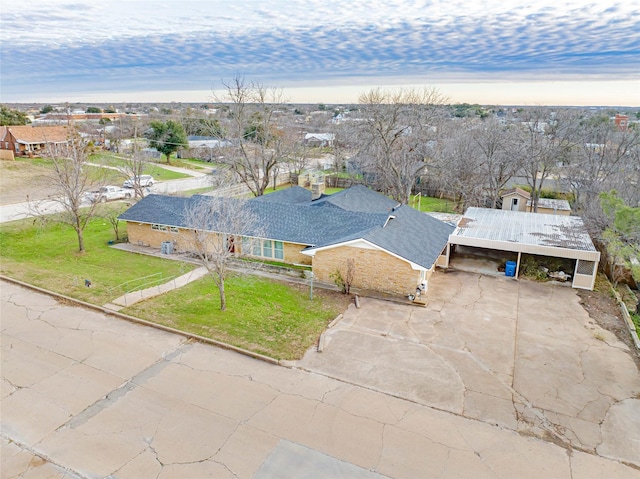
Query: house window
x=164, y=228
x=263, y=248
x=256, y=248
x=278, y=250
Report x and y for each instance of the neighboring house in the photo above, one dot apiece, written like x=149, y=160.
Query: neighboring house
x=394, y=247
x=59, y=118
x=622, y=122
x=319, y=139
x=25, y=140
x=517, y=199
x=206, y=148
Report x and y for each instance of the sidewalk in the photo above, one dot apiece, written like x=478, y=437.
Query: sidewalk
x=238, y=267
x=137, y=296
x=185, y=170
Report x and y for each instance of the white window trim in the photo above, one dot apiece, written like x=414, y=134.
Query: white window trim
x=164, y=228
x=249, y=243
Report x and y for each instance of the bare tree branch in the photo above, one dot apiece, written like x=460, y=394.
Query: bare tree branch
x=393, y=136
x=70, y=178
x=215, y=228
x=260, y=145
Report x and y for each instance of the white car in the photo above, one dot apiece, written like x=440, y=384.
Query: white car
x=145, y=180
x=108, y=193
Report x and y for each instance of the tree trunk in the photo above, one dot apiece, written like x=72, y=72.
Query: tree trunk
x=168, y=158
x=80, y=240
x=223, y=299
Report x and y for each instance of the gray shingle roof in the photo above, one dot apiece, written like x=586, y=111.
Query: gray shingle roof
x=293, y=195
x=412, y=235
x=349, y=215
x=358, y=198
x=158, y=209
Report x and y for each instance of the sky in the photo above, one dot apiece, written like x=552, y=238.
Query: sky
x=509, y=52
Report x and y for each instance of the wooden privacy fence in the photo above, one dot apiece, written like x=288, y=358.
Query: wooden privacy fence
x=330, y=181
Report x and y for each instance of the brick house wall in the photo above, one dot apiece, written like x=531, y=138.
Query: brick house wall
x=293, y=255
x=374, y=269
x=144, y=235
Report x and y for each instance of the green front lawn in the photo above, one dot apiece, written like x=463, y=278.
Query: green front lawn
x=47, y=257
x=271, y=318
x=162, y=174
x=152, y=168
x=268, y=317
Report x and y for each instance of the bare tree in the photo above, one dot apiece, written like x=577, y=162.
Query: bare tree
x=214, y=225
x=393, y=136
x=545, y=141
x=457, y=164
x=132, y=166
x=495, y=163
x=111, y=215
x=259, y=143
x=70, y=178
x=603, y=158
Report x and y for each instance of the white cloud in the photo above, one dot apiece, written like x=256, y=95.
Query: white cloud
x=126, y=44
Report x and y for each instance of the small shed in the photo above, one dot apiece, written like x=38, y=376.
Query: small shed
x=515, y=199
x=557, y=236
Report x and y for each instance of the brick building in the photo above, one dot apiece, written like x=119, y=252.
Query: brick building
x=25, y=140
x=394, y=248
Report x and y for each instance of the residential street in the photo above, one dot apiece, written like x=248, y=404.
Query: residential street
x=85, y=394
x=18, y=211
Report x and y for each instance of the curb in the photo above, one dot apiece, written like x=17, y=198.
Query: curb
x=627, y=318
x=322, y=339
x=143, y=322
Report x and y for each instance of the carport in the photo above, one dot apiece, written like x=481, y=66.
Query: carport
x=537, y=234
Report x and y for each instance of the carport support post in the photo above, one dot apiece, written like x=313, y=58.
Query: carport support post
x=518, y=263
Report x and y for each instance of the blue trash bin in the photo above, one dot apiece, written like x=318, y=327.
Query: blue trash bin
x=510, y=268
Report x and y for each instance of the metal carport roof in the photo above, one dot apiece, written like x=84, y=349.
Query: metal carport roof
x=558, y=236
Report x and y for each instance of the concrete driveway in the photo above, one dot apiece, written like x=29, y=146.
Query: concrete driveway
x=88, y=395
x=520, y=355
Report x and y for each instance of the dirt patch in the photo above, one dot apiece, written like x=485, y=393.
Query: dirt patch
x=604, y=310
x=22, y=179
x=332, y=299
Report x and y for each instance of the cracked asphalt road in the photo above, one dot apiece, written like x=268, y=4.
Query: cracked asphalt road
x=88, y=395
